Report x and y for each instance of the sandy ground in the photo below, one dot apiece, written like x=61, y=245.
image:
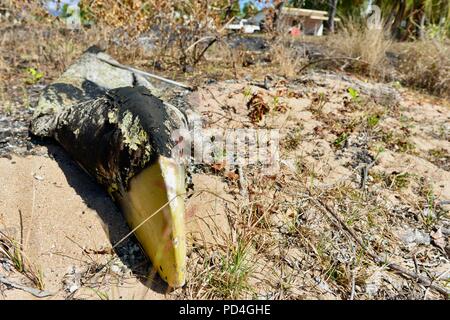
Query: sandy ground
x=68, y=225
x=294, y=247
x=62, y=218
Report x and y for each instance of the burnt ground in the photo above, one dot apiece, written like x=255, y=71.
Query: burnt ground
x=377, y=155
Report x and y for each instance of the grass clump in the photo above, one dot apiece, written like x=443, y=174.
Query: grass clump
x=366, y=47
x=230, y=277
x=12, y=251
x=426, y=65
x=293, y=138
x=395, y=181
x=286, y=58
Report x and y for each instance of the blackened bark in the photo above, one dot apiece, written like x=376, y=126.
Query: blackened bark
x=117, y=135
x=112, y=132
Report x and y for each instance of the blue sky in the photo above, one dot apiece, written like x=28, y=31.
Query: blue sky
x=258, y=4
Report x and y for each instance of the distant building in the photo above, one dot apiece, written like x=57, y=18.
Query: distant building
x=309, y=21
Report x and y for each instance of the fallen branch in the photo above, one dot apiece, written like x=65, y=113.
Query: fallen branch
x=200, y=40
x=329, y=59
x=33, y=291
x=151, y=75
x=200, y=56
x=392, y=266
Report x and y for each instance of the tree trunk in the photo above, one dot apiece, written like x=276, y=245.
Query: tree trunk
x=399, y=17
x=120, y=134
x=332, y=7
x=423, y=19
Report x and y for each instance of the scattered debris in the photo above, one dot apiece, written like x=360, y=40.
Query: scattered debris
x=258, y=107
x=415, y=236
x=72, y=280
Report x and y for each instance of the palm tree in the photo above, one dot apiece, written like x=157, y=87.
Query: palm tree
x=332, y=8
x=416, y=14
x=428, y=11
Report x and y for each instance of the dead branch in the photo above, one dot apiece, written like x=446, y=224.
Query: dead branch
x=33, y=291
x=200, y=56
x=392, y=266
x=147, y=74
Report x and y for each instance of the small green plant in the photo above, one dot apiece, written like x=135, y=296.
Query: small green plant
x=8, y=108
x=397, y=142
x=398, y=181
x=33, y=76
x=397, y=84
x=276, y=102
x=439, y=157
x=338, y=273
x=15, y=256
x=341, y=140
x=318, y=102
x=438, y=153
x=354, y=94
x=102, y=295
x=247, y=92
x=230, y=280
x=12, y=251
x=373, y=120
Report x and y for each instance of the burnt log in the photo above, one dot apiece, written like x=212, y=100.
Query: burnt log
x=111, y=122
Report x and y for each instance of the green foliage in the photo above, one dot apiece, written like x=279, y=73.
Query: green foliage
x=341, y=140
x=33, y=76
x=247, y=92
x=350, y=9
x=86, y=15
x=438, y=31
x=249, y=10
x=233, y=271
x=309, y=4
x=229, y=9
x=373, y=120
x=354, y=94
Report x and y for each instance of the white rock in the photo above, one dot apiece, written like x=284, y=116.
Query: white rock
x=415, y=236
x=116, y=269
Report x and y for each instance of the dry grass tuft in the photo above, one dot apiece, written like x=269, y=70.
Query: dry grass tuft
x=368, y=48
x=426, y=65
x=286, y=58
x=12, y=252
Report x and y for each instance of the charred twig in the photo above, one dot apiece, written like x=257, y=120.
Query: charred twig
x=364, y=175
x=33, y=291
x=200, y=56
x=365, y=172
x=192, y=46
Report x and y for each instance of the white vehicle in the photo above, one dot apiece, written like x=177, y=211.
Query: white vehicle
x=243, y=26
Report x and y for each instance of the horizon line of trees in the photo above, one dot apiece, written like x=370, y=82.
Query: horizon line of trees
x=403, y=18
